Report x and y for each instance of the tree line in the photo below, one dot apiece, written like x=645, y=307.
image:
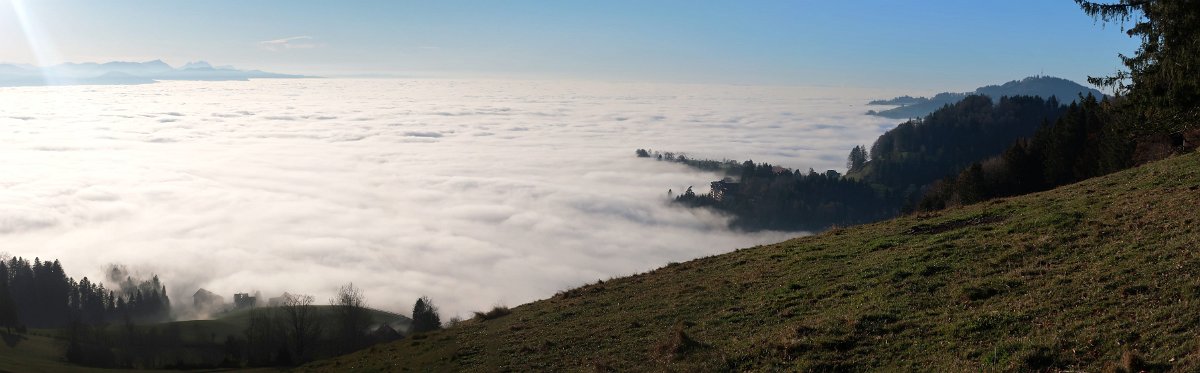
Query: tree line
x=882, y=181
x=1156, y=113
x=762, y=196
x=297, y=331
x=1085, y=142
x=965, y=153
x=128, y=327
x=921, y=151
x=39, y=294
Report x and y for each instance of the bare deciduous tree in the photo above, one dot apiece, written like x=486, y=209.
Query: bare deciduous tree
x=264, y=337
x=350, y=311
x=302, y=325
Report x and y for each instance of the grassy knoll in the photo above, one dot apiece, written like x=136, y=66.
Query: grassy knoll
x=240, y=319
x=39, y=351
x=43, y=350
x=1069, y=279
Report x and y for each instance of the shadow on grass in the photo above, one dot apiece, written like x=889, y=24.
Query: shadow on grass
x=12, y=339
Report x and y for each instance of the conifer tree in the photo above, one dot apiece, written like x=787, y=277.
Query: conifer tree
x=1162, y=78
x=857, y=158
x=425, y=316
x=8, y=309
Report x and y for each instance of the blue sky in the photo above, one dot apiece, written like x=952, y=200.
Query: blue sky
x=938, y=44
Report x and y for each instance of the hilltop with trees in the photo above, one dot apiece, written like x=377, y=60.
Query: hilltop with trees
x=39, y=294
x=984, y=147
x=884, y=180
x=48, y=319
x=1040, y=86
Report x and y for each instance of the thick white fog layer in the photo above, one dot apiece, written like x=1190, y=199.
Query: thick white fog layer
x=475, y=193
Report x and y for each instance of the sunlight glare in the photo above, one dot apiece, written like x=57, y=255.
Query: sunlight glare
x=38, y=42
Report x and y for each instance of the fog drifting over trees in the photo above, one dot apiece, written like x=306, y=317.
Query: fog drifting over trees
x=476, y=193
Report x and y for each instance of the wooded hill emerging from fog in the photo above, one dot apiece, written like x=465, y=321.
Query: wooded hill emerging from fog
x=47, y=318
x=39, y=294
x=964, y=153
x=894, y=175
x=1041, y=86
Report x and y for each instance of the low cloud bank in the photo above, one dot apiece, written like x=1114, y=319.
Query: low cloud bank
x=475, y=193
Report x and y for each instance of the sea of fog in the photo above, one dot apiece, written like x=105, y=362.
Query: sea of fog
x=475, y=193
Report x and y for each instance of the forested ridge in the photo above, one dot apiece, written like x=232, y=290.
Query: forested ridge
x=919, y=151
x=1156, y=113
x=1083, y=143
x=890, y=178
x=764, y=196
x=1043, y=86
x=130, y=323
x=39, y=294
x=982, y=148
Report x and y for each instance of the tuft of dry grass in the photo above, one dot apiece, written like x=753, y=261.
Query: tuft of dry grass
x=495, y=313
x=678, y=343
x=1131, y=362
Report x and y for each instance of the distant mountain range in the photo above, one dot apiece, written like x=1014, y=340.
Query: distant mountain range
x=1044, y=86
x=122, y=73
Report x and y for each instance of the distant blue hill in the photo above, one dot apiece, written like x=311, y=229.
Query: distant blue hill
x=1045, y=86
x=121, y=73
x=117, y=78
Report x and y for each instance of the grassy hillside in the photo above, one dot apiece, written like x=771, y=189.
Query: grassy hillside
x=1071, y=278
x=235, y=323
x=39, y=351
x=42, y=350
x=241, y=319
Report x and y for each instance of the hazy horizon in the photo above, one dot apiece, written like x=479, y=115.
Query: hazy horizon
x=926, y=46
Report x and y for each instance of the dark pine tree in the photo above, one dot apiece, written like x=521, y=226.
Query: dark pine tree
x=425, y=316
